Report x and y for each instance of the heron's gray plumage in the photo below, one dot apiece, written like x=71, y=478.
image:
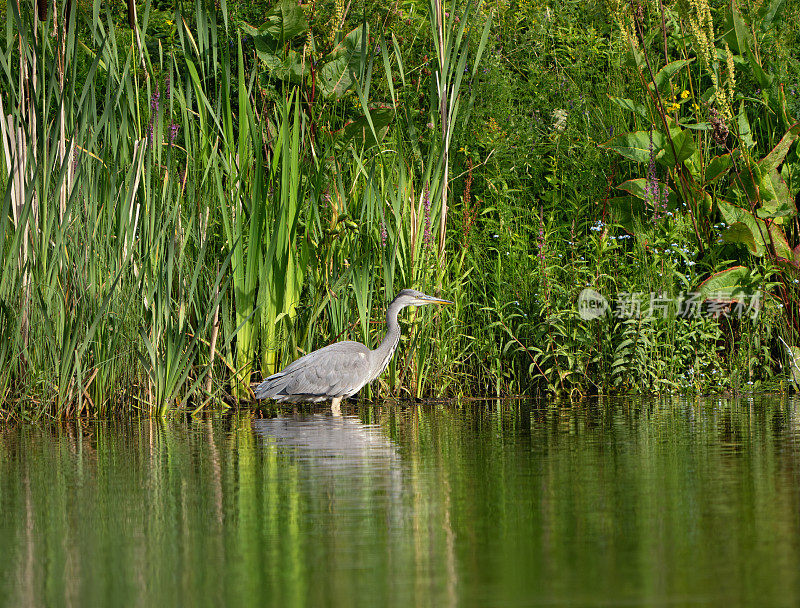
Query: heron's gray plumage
x=340, y=370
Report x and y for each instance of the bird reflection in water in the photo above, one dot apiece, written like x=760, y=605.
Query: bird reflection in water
x=345, y=438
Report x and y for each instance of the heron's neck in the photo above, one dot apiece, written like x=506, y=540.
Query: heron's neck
x=383, y=354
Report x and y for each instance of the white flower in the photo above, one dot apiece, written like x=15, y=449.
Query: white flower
x=559, y=119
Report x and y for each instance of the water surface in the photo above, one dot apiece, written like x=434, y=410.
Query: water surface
x=652, y=503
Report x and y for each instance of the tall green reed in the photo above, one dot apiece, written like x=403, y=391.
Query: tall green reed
x=155, y=196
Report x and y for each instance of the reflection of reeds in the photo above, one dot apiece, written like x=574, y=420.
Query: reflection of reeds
x=794, y=364
x=428, y=507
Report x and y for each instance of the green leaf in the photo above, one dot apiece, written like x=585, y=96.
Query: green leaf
x=728, y=284
x=745, y=134
x=668, y=71
x=758, y=184
x=636, y=187
x=636, y=145
x=764, y=80
x=740, y=234
x=701, y=200
x=695, y=165
x=358, y=132
x=338, y=74
x=738, y=34
x=775, y=157
x=626, y=208
x=717, y=167
x=682, y=147
x=770, y=11
x=780, y=203
x=290, y=68
x=764, y=236
x=696, y=126
x=284, y=21
x=630, y=105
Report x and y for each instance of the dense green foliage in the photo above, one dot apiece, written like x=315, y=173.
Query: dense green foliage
x=211, y=194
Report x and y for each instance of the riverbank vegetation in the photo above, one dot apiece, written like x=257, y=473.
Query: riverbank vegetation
x=194, y=197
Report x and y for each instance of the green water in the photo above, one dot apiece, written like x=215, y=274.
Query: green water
x=675, y=503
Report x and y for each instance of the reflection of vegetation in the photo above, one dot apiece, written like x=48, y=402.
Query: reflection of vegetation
x=615, y=500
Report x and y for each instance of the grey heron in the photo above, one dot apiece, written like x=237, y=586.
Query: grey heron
x=340, y=370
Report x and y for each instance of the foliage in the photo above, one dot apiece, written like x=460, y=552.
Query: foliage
x=209, y=195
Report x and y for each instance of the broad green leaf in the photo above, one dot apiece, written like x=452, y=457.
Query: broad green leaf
x=637, y=187
x=770, y=11
x=764, y=80
x=782, y=205
x=738, y=34
x=740, y=234
x=717, y=167
x=756, y=184
x=284, y=21
x=291, y=67
x=696, y=126
x=681, y=148
x=778, y=240
x=338, y=74
x=636, y=145
x=359, y=133
x=701, y=200
x=728, y=284
x=626, y=208
x=775, y=157
x=745, y=134
x=764, y=236
x=695, y=165
x=630, y=105
x=668, y=71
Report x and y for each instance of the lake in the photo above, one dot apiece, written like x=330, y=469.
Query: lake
x=674, y=502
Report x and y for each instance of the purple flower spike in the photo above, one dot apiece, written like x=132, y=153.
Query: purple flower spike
x=154, y=100
x=653, y=192
x=427, y=234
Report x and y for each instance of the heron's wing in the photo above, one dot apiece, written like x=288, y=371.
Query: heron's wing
x=338, y=370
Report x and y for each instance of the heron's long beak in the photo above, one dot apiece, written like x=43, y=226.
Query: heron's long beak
x=432, y=300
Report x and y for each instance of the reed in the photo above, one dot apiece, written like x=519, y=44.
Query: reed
x=182, y=217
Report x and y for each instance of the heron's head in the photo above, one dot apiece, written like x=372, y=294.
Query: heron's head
x=412, y=297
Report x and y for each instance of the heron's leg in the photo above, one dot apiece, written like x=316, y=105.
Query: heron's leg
x=335, y=407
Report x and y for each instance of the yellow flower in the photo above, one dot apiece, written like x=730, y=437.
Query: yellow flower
x=695, y=107
x=674, y=107
x=685, y=94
